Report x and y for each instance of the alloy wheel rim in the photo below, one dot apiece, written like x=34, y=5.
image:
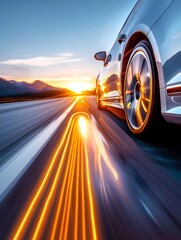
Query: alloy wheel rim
x=138, y=90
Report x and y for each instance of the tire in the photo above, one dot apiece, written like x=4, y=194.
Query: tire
x=141, y=91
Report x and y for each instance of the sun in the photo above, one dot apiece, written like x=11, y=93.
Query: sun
x=78, y=87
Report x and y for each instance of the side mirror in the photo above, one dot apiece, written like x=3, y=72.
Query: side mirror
x=100, y=56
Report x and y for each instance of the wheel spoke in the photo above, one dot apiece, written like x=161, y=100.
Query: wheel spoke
x=137, y=63
x=140, y=114
x=129, y=75
x=132, y=113
x=144, y=68
x=129, y=99
x=145, y=82
x=145, y=75
x=144, y=104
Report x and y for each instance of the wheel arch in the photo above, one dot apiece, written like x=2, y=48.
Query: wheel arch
x=131, y=43
x=129, y=46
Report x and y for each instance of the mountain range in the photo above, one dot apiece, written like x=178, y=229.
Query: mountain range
x=11, y=90
x=12, y=87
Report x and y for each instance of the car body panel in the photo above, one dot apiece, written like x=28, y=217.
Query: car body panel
x=112, y=72
x=167, y=43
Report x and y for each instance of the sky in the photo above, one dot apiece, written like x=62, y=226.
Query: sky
x=55, y=40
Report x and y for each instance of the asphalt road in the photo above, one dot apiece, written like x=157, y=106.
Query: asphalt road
x=70, y=171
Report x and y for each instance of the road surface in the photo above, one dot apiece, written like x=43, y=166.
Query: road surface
x=70, y=171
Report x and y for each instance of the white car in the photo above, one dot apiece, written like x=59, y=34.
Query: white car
x=142, y=72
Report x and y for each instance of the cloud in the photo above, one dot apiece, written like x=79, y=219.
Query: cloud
x=65, y=54
x=43, y=61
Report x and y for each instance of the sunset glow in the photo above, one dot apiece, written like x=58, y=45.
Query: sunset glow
x=76, y=84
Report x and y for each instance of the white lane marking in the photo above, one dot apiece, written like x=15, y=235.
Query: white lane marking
x=16, y=166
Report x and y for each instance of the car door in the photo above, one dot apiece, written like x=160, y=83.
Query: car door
x=112, y=80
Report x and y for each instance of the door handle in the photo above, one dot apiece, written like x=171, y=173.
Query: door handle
x=108, y=60
x=122, y=38
x=106, y=63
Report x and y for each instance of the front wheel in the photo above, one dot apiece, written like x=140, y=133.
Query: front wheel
x=141, y=91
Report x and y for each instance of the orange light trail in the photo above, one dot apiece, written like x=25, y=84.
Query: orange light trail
x=90, y=197
x=47, y=203
x=83, y=198
x=40, y=190
x=62, y=194
x=63, y=200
